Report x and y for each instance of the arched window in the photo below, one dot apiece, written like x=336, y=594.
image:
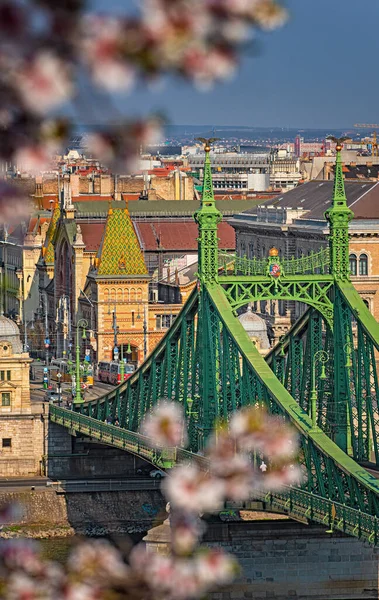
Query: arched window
x=366, y=303
x=139, y=293
x=120, y=295
x=363, y=264
x=106, y=295
x=353, y=264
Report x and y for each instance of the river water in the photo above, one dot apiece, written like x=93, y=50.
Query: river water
x=59, y=548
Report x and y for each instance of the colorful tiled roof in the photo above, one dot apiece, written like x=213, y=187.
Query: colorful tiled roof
x=49, y=253
x=120, y=252
x=179, y=236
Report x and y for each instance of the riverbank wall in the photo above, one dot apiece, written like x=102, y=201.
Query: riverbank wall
x=45, y=513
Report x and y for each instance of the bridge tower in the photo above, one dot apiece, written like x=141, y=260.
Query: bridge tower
x=207, y=217
x=339, y=215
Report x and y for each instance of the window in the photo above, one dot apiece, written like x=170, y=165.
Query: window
x=353, y=264
x=7, y=443
x=5, y=375
x=363, y=264
x=164, y=321
x=5, y=399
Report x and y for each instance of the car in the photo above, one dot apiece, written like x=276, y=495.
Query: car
x=157, y=474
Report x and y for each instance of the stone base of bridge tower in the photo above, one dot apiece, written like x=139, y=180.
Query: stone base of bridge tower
x=284, y=560
x=72, y=457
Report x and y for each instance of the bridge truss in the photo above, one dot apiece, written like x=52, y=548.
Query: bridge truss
x=207, y=362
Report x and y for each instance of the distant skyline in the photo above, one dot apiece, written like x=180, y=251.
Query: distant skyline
x=319, y=71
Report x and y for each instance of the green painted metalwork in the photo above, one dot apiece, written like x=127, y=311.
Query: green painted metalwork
x=208, y=217
x=314, y=263
x=339, y=216
x=294, y=502
x=208, y=364
x=313, y=291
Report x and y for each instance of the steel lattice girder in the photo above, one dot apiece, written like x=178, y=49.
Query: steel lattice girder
x=313, y=290
x=330, y=471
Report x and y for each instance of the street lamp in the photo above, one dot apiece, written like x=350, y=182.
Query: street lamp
x=31, y=323
x=82, y=323
x=348, y=351
x=320, y=357
x=59, y=388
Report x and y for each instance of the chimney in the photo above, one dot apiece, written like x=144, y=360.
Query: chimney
x=105, y=185
x=74, y=183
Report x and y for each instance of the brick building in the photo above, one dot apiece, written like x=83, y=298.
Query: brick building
x=295, y=224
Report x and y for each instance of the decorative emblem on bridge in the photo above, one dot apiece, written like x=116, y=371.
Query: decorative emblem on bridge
x=274, y=268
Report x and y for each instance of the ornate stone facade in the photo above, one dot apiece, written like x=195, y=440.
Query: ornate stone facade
x=22, y=423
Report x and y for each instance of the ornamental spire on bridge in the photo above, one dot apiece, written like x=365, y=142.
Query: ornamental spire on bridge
x=208, y=217
x=339, y=215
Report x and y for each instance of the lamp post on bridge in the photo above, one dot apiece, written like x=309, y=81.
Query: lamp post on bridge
x=81, y=324
x=320, y=357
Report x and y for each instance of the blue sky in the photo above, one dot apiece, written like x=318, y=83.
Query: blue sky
x=320, y=70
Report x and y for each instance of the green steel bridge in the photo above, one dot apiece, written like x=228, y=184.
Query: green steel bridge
x=322, y=376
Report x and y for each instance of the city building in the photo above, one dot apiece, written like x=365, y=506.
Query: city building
x=135, y=306
x=23, y=422
x=295, y=224
x=249, y=172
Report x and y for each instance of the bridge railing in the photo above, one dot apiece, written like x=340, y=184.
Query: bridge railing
x=292, y=501
x=315, y=262
x=334, y=515
x=112, y=435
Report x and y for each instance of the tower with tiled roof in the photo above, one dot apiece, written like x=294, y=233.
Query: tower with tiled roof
x=120, y=283
x=120, y=252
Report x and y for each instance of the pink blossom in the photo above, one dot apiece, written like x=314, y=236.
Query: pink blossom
x=14, y=208
x=44, y=82
x=240, y=482
x=190, y=489
x=20, y=554
x=254, y=429
x=102, y=51
x=186, y=583
x=276, y=478
x=215, y=567
x=98, y=561
x=165, y=425
x=33, y=159
x=186, y=531
x=20, y=586
x=82, y=591
x=269, y=15
x=10, y=512
x=159, y=572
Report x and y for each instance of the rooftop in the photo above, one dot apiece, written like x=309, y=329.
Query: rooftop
x=314, y=197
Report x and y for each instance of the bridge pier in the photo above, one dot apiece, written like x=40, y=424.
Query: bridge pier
x=71, y=457
x=284, y=560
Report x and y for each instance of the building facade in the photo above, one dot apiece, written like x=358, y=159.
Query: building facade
x=296, y=226
x=22, y=423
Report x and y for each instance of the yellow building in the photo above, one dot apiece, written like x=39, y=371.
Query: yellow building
x=22, y=422
x=115, y=298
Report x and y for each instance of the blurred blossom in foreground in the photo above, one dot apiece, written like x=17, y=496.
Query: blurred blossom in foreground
x=193, y=490
x=44, y=82
x=165, y=426
x=14, y=205
x=254, y=429
x=99, y=562
x=102, y=51
x=33, y=159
